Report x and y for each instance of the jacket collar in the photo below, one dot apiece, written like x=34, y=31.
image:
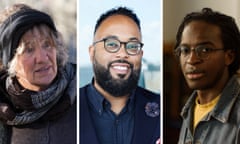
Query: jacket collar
x=226, y=102
x=145, y=126
x=87, y=131
x=224, y=106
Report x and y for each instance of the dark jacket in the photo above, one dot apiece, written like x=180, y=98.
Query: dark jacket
x=146, y=129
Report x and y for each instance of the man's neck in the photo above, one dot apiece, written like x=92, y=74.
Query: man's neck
x=207, y=95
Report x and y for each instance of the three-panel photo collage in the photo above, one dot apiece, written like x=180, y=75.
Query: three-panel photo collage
x=119, y=72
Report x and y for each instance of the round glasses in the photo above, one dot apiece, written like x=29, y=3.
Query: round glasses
x=202, y=52
x=113, y=45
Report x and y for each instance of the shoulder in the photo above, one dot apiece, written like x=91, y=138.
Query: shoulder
x=70, y=68
x=235, y=110
x=72, y=65
x=3, y=77
x=3, y=74
x=83, y=90
x=147, y=94
x=144, y=97
x=231, y=98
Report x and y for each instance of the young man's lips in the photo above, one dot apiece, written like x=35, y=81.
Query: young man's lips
x=195, y=75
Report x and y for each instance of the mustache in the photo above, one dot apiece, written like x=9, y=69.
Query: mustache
x=193, y=70
x=120, y=61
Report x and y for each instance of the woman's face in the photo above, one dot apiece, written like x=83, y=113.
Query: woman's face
x=36, y=63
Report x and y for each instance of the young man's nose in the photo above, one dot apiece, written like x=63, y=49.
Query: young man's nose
x=192, y=57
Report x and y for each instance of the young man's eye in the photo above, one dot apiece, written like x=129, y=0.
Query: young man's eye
x=206, y=49
x=185, y=50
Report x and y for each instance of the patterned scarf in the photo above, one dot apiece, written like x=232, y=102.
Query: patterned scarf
x=24, y=107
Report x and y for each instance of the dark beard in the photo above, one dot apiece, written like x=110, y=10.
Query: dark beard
x=116, y=87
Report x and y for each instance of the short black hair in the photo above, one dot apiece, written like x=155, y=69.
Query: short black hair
x=118, y=11
x=229, y=32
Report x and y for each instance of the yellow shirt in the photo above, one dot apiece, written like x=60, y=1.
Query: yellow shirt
x=201, y=110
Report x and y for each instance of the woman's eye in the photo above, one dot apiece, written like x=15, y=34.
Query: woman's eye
x=46, y=44
x=28, y=50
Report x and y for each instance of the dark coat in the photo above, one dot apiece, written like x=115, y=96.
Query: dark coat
x=146, y=129
x=60, y=131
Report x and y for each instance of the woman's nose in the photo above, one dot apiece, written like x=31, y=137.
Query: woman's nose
x=41, y=54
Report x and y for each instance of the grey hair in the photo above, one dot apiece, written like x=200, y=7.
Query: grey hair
x=61, y=49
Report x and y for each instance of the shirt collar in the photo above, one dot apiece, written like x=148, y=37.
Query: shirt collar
x=97, y=100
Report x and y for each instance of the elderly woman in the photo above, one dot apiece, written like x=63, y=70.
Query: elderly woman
x=37, y=83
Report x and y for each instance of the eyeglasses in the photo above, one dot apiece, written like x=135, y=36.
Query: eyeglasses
x=113, y=45
x=202, y=52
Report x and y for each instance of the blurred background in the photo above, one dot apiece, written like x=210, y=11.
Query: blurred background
x=63, y=13
x=149, y=13
x=175, y=90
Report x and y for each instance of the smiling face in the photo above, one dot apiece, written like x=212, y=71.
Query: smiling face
x=200, y=73
x=36, y=64
x=119, y=67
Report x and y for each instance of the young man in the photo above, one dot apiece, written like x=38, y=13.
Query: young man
x=208, y=45
x=113, y=109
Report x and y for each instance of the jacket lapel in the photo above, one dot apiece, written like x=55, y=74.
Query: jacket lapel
x=87, y=130
x=146, y=128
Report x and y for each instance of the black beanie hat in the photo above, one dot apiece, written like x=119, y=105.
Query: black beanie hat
x=15, y=26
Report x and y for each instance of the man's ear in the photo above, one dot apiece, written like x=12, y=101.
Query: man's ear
x=229, y=57
x=91, y=52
